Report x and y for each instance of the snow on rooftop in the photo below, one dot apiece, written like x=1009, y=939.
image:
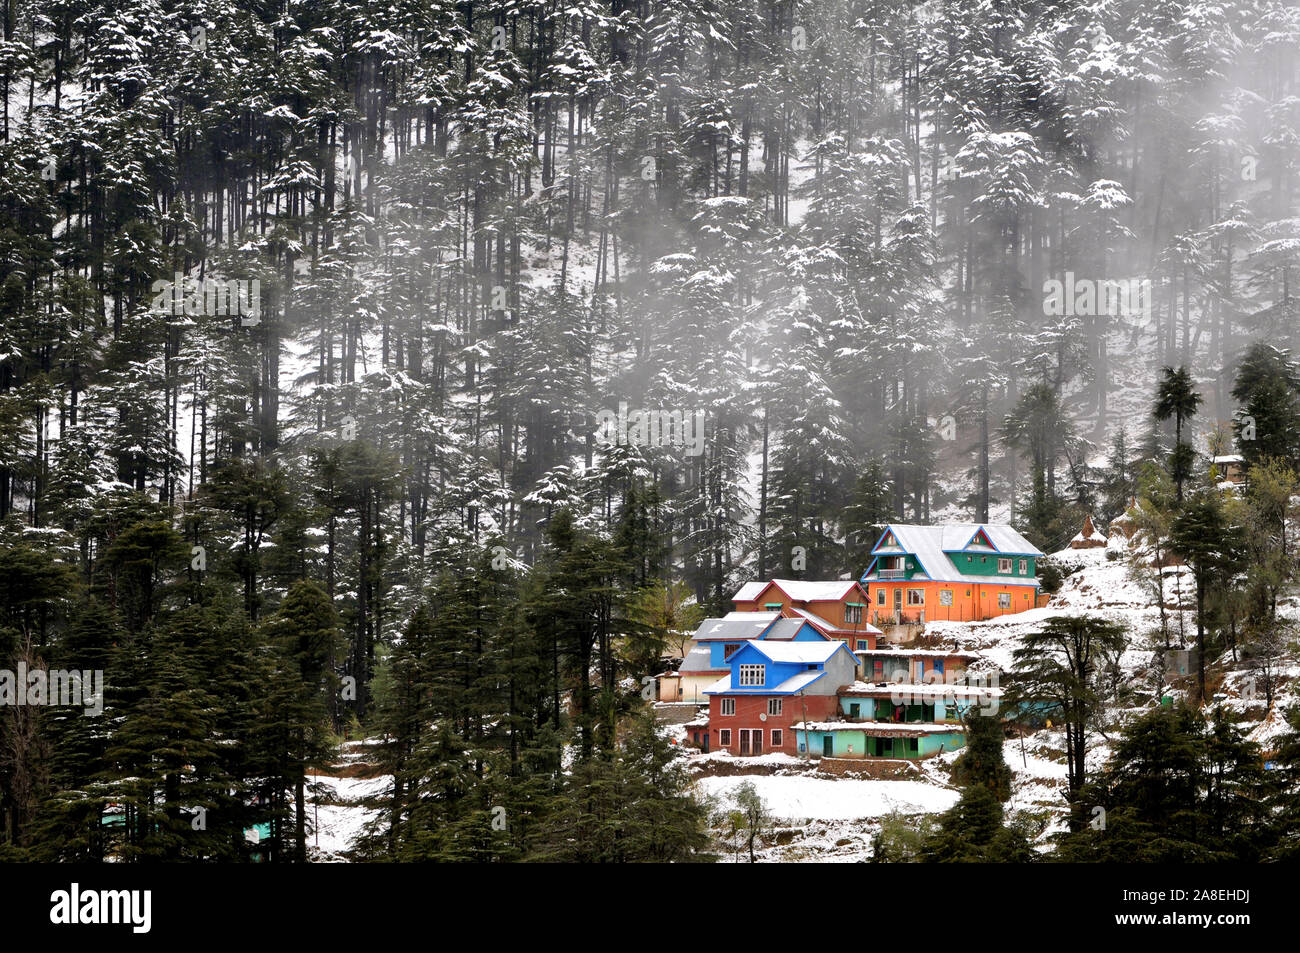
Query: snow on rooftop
x=803, y=652
x=814, y=590
x=734, y=630
x=931, y=545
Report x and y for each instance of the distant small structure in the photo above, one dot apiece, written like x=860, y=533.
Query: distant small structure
x=1231, y=467
x=1126, y=524
x=1088, y=537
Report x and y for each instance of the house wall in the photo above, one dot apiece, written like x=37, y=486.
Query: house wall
x=829, y=609
x=693, y=687
x=881, y=709
x=970, y=601
x=986, y=564
x=859, y=744
x=794, y=708
x=841, y=670
x=909, y=668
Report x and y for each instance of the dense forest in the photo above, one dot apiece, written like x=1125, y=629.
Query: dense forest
x=309, y=311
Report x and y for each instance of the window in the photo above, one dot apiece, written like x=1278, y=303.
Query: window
x=1004, y=600
x=945, y=597
x=862, y=645
x=774, y=705
x=1024, y=567
x=984, y=559
x=776, y=738
x=724, y=737
x=726, y=706
x=1004, y=565
x=752, y=675
x=772, y=605
x=916, y=597
x=855, y=709
x=913, y=744
x=730, y=649
x=880, y=597
x=853, y=613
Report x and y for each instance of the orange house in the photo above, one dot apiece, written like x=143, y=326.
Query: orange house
x=960, y=571
x=837, y=609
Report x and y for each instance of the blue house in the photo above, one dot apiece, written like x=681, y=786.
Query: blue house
x=769, y=686
x=716, y=640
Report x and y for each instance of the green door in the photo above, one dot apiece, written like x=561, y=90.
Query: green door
x=828, y=746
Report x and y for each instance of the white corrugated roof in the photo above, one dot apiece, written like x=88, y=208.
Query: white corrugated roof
x=931, y=544
x=735, y=630
x=749, y=592
x=815, y=590
x=769, y=616
x=807, y=653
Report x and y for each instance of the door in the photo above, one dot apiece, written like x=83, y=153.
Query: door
x=898, y=601
x=757, y=740
x=744, y=741
x=828, y=746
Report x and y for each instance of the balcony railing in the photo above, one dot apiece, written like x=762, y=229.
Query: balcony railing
x=892, y=574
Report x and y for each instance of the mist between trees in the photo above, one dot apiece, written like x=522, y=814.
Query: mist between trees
x=812, y=229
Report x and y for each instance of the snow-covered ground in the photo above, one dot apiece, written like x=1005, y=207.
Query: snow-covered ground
x=832, y=799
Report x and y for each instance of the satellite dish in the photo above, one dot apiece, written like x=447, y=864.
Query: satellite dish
x=762, y=716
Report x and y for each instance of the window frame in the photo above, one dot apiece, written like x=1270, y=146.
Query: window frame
x=724, y=704
x=748, y=671
x=778, y=738
x=778, y=704
x=915, y=602
x=724, y=737
x=1004, y=600
x=1010, y=563
x=945, y=597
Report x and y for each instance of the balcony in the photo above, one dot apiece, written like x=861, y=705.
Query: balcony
x=891, y=574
